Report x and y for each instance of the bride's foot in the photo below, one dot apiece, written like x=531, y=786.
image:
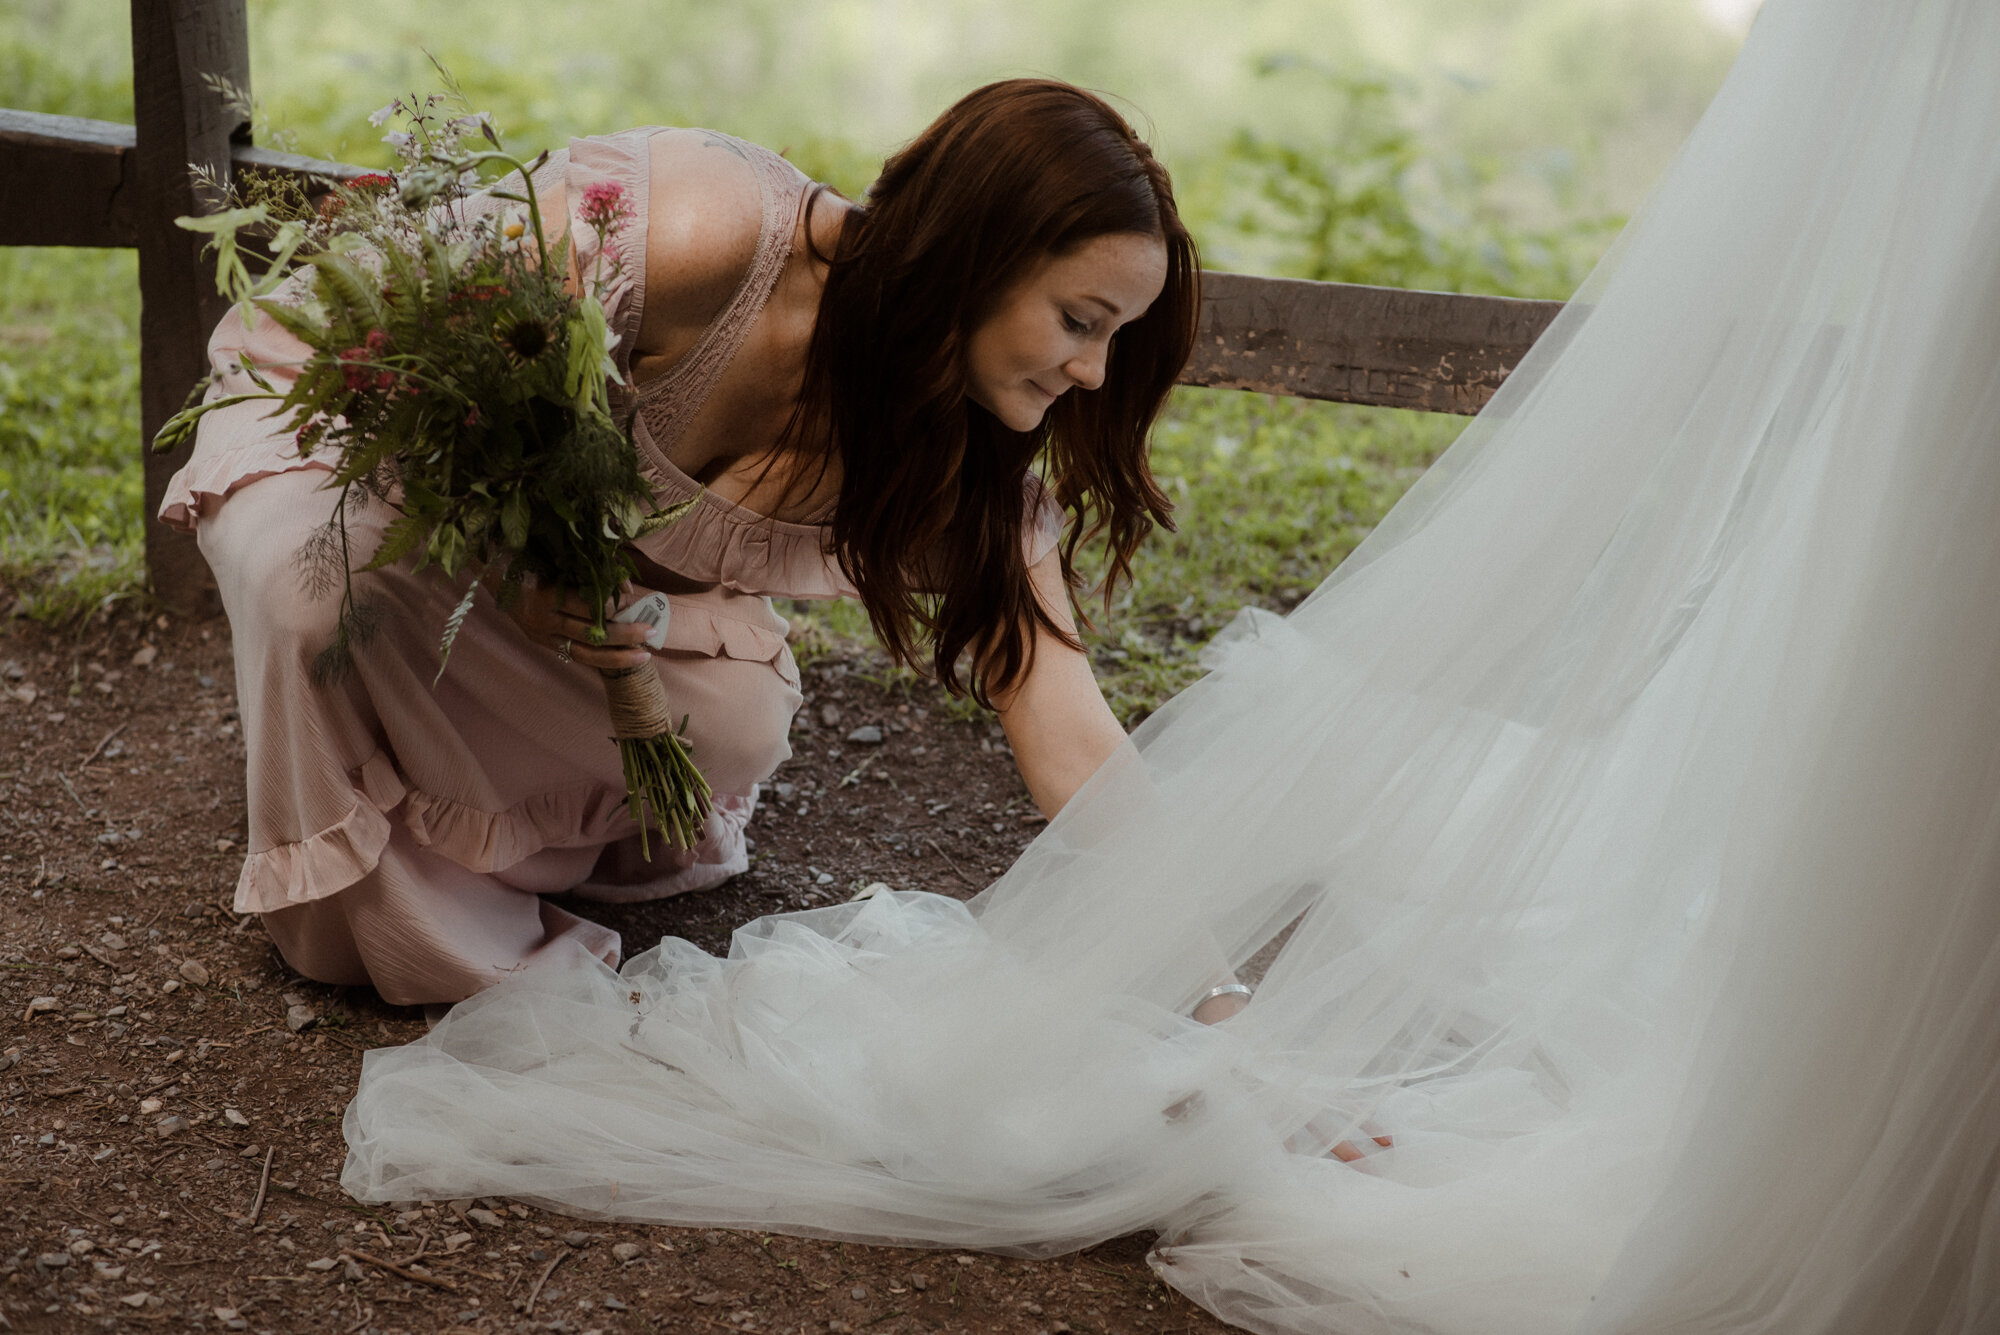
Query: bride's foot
x=1230, y=999
x=1220, y=1005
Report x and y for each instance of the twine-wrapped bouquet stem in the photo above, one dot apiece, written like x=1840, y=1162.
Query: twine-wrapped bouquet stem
x=660, y=772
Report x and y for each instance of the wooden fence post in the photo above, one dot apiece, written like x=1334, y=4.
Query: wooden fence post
x=180, y=120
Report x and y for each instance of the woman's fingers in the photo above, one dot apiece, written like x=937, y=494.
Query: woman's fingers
x=1344, y=1150
x=607, y=655
x=563, y=623
x=624, y=643
x=579, y=628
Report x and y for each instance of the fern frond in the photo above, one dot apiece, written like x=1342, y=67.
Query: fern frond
x=355, y=290
x=403, y=536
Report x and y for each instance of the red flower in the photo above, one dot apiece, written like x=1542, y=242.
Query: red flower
x=356, y=375
x=605, y=206
x=378, y=342
x=372, y=181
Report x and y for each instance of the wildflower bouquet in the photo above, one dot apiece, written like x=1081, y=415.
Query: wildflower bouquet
x=456, y=374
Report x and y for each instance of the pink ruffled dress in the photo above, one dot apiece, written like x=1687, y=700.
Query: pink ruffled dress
x=402, y=833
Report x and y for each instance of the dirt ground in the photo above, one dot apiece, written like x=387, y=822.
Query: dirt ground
x=171, y=1093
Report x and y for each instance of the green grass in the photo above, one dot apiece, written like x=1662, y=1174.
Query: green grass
x=1272, y=494
x=70, y=472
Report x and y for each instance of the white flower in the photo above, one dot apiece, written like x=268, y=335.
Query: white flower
x=380, y=118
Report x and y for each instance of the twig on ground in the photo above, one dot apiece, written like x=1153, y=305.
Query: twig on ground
x=423, y=1243
x=416, y=1276
x=103, y=742
x=540, y=1280
x=457, y=1264
x=72, y=794
x=263, y=1185
x=953, y=865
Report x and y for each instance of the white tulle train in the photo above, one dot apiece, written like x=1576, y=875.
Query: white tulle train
x=1630, y=801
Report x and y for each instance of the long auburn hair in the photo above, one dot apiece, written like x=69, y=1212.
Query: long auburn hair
x=930, y=519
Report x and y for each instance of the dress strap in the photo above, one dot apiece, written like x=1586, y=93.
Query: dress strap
x=667, y=404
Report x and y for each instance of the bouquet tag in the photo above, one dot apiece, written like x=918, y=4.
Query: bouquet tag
x=655, y=612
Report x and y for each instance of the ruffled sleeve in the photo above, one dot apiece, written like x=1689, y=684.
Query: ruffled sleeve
x=241, y=443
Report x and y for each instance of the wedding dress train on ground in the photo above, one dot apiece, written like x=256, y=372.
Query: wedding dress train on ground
x=1632, y=795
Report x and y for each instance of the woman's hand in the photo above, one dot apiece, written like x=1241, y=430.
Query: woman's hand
x=554, y=619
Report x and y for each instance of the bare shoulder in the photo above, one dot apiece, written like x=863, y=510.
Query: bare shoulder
x=703, y=213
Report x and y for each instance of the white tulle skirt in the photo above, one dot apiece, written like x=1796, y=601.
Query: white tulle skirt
x=1630, y=801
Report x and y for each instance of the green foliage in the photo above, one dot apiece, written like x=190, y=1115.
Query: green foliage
x=1270, y=494
x=448, y=363
x=39, y=72
x=1364, y=200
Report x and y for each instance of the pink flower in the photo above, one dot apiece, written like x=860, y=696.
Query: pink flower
x=378, y=342
x=605, y=206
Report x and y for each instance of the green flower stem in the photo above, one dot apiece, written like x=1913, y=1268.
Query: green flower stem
x=528, y=184
x=661, y=777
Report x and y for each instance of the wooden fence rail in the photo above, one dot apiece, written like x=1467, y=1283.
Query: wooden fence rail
x=66, y=181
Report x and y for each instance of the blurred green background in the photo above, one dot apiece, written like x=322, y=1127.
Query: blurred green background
x=1464, y=145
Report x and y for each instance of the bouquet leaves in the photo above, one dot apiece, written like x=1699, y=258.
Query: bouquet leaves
x=456, y=373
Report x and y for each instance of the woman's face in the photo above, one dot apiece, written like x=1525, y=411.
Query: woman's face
x=1051, y=331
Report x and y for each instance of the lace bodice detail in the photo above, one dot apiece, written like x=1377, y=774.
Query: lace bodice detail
x=670, y=401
